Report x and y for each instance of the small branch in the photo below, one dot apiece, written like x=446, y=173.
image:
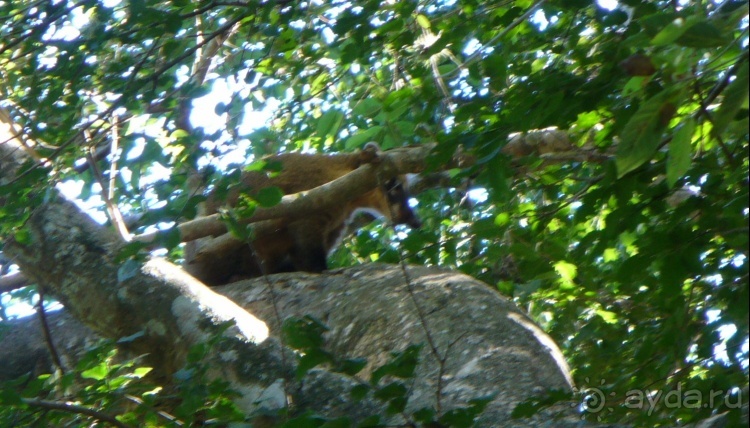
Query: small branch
x=99, y=154
x=719, y=88
x=111, y=209
x=223, y=29
x=74, y=408
x=46, y=332
x=502, y=34
x=114, y=212
x=704, y=103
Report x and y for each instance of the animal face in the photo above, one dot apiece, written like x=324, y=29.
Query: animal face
x=398, y=203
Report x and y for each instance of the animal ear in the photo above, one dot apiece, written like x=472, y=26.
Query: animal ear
x=370, y=153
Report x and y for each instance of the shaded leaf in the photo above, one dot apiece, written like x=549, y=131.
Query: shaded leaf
x=735, y=96
x=642, y=134
x=361, y=138
x=703, y=34
x=269, y=196
x=329, y=123
x=680, y=151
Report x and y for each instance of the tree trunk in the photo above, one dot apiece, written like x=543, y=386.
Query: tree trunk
x=476, y=343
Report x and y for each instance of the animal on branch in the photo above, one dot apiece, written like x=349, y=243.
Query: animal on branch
x=298, y=244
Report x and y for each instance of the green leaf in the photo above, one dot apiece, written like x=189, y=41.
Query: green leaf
x=342, y=422
x=395, y=395
x=141, y=371
x=269, y=196
x=239, y=231
x=423, y=21
x=424, y=415
x=304, y=334
x=735, y=96
x=608, y=316
x=369, y=107
x=310, y=360
x=258, y=165
x=460, y=418
x=23, y=236
x=502, y=219
x=390, y=391
x=97, y=372
x=642, y=134
x=329, y=123
x=361, y=138
x=9, y=397
x=351, y=366
x=703, y=34
x=567, y=271
x=402, y=364
x=680, y=151
x=359, y=392
x=671, y=32
x=307, y=420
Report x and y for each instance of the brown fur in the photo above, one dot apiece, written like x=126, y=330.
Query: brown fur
x=302, y=244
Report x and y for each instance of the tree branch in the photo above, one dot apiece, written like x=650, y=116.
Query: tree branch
x=74, y=408
x=357, y=182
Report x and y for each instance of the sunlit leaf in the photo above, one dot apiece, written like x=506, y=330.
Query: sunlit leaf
x=98, y=372
x=423, y=21
x=607, y=316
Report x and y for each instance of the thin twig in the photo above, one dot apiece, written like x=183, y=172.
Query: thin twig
x=502, y=34
x=46, y=332
x=114, y=212
x=162, y=413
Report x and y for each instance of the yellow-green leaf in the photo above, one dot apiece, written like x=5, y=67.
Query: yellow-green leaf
x=607, y=316
x=423, y=21
x=567, y=271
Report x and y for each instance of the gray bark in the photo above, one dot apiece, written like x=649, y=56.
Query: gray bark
x=484, y=344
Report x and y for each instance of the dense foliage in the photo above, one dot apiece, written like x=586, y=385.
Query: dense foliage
x=629, y=246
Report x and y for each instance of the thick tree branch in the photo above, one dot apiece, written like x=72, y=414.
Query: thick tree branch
x=363, y=179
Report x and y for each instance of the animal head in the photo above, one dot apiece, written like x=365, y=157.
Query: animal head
x=390, y=200
x=397, y=195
